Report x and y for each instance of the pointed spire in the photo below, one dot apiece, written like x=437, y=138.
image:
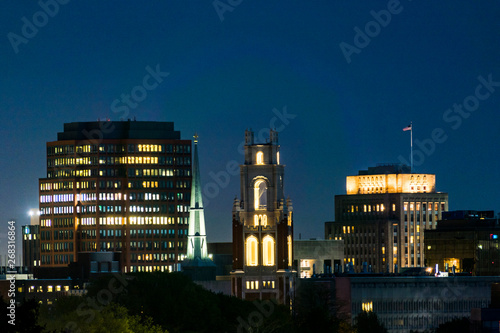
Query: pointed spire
x=197, y=239
x=196, y=198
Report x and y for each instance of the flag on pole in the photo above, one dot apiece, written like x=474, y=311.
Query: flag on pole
x=408, y=128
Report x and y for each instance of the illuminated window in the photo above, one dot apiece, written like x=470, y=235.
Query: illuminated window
x=260, y=194
x=252, y=251
x=268, y=251
x=278, y=158
x=393, y=207
x=289, y=240
x=49, y=289
x=260, y=158
x=450, y=262
x=367, y=306
x=260, y=220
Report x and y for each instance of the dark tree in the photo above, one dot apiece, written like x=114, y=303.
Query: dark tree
x=26, y=318
x=367, y=322
x=459, y=325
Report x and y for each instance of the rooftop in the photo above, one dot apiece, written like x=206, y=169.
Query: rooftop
x=386, y=168
x=98, y=130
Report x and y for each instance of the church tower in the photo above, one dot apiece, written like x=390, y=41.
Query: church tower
x=197, y=264
x=262, y=227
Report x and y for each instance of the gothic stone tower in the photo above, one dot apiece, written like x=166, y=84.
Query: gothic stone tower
x=262, y=227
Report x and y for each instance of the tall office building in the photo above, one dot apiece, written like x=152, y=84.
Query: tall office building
x=262, y=227
x=116, y=187
x=383, y=216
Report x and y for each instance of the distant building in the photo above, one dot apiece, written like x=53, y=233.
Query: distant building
x=318, y=256
x=465, y=241
x=405, y=303
x=222, y=255
x=31, y=246
x=116, y=186
x=31, y=241
x=383, y=215
x=262, y=227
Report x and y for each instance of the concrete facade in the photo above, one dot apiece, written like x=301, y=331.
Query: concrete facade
x=413, y=303
x=318, y=256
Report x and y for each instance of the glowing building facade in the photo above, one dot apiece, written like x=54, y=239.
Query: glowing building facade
x=116, y=187
x=383, y=216
x=262, y=227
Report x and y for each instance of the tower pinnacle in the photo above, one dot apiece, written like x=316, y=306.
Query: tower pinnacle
x=197, y=239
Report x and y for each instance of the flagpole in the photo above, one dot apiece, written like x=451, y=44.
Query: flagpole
x=411, y=146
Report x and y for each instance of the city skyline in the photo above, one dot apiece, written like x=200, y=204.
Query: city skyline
x=338, y=93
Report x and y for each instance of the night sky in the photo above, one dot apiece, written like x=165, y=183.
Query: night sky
x=337, y=84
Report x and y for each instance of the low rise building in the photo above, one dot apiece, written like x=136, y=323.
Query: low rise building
x=465, y=241
x=318, y=256
x=405, y=303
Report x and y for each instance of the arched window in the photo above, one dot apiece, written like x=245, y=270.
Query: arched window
x=259, y=158
x=260, y=220
x=268, y=251
x=252, y=251
x=260, y=194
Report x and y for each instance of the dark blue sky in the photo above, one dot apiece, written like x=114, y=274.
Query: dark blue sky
x=228, y=75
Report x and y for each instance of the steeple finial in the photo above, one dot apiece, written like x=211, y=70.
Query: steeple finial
x=195, y=136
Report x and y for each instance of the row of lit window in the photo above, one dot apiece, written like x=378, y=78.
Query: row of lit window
x=119, y=148
x=58, y=246
x=140, y=268
x=84, y=197
x=425, y=206
x=58, y=222
x=349, y=260
x=56, y=186
x=58, y=259
x=154, y=257
x=147, y=220
x=56, y=210
x=367, y=306
x=110, y=172
x=48, y=289
x=114, y=185
x=56, y=198
x=369, y=208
